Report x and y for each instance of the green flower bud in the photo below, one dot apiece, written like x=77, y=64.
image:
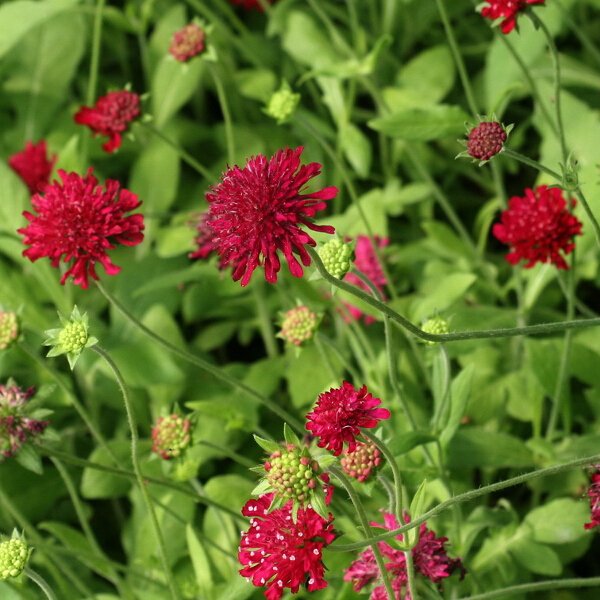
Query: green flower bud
x=170, y=436
x=14, y=555
x=282, y=104
x=9, y=329
x=363, y=462
x=299, y=325
x=437, y=326
x=336, y=255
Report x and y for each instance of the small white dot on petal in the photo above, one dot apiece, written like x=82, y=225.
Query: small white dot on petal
x=316, y=551
x=311, y=581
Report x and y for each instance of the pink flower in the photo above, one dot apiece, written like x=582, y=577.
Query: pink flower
x=81, y=220
x=257, y=210
x=339, y=415
x=429, y=559
x=593, y=493
x=278, y=553
x=250, y=4
x=366, y=262
x=537, y=227
x=33, y=166
x=507, y=9
x=16, y=427
x=187, y=42
x=110, y=116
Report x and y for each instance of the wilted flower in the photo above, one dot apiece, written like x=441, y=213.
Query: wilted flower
x=17, y=422
x=110, y=116
x=187, y=42
x=14, y=554
x=506, y=10
x=538, y=227
x=33, y=166
x=258, y=209
x=170, y=436
x=279, y=552
x=340, y=414
x=299, y=325
x=429, y=559
x=81, y=220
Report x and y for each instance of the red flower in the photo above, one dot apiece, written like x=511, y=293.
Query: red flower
x=32, y=165
x=429, y=559
x=110, y=116
x=187, y=42
x=206, y=236
x=279, y=553
x=250, y=4
x=340, y=413
x=507, y=9
x=366, y=262
x=256, y=210
x=537, y=227
x=486, y=140
x=593, y=493
x=81, y=220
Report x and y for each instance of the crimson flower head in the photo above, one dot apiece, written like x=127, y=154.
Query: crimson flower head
x=278, y=552
x=79, y=221
x=593, y=493
x=537, y=227
x=340, y=414
x=429, y=560
x=366, y=262
x=251, y=4
x=205, y=239
x=506, y=10
x=187, y=42
x=257, y=210
x=33, y=166
x=110, y=116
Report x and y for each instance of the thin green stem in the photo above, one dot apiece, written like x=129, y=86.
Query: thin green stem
x=538, y=586
x=410, y=572
x=532, y=163
x=458, y=61
x=442, y=405
x=364, y=521
x=203, y=364
x=41, y=582
x=578, y=31
x=467, y=497
x=138, y=470
x=447, y=337
x=264, y=318
x=324, y=340
x=192, y=162
x=589, y=213
x=222, y=96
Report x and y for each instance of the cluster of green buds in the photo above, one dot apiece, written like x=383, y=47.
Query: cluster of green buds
x=282, y=103
x=363, y=462
x=435, y=325
x=291, y=473
x=9, y=329
x=14, y=554
x=72, y=338
x=299, y=325
x=336, y=255
x=170, y=436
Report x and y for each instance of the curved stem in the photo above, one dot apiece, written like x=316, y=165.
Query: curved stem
x=589, y=213
x=203, y=364
x=448, y=337
x=264, y=318
x=532, y=163
x=138, y=471
x=41, y=582
x=468, y=496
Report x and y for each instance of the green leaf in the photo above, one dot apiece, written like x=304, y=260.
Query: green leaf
x=422, y=124
x=559, y=521
x=356, y=148
x=405, y=442
x=201, y=563
x=417, y=506
x=101, y=484
x=17, y=18
x=267, y=445
x=460, y=392
x=289, y=435
x=536, y=557
x=29, y=459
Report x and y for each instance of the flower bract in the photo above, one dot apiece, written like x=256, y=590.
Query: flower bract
x=538, y=227
x=78, y=221
x=257, y=211
x=33, y=166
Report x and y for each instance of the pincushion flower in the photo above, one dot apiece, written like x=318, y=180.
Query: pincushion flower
x=277, y=552
x=340, y=414
x=110, y=116
x=187, y=42
x=257, y=210
x=205, y=240
x=366, y=262
x=506, y=10
x=79, y=221
x=593, y=493
x=538, y=227
x=33, y=166
x=429, y=560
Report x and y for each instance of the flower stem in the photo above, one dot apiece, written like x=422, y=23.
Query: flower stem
x=410, y=573
x=264, y=318
x=448, y=337
x=205, y=365
x=468, y=496
x=532, y=163
x=138, y=471
x=41, y=582
x=226, y=114
x=366, y=528
x=589, y=213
